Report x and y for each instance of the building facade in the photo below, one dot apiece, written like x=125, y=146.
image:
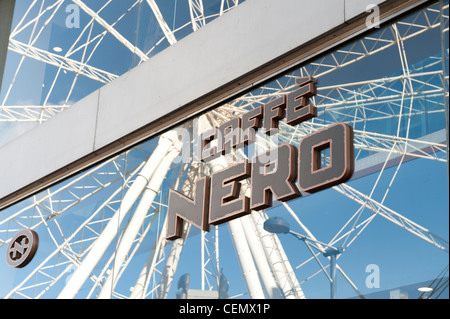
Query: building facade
x=224, y=149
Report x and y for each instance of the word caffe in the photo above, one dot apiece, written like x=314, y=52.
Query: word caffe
x=293, y=171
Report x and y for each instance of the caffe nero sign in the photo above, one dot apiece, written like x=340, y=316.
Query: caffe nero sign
x=292, y=172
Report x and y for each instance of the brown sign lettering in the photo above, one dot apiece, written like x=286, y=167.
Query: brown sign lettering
x=283, y=177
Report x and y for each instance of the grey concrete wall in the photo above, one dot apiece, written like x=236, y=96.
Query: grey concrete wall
x=227, y=56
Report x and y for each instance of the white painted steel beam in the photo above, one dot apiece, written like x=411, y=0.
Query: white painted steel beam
x=261, y=262
x=110, y=232
x=393, y=216
x=281, y=267
x=162, y=23
x=237, y=233
x=63, y=62
x=129, y=234
x=139, y=290
x=240, y=240
x=248, y=267
x=275, y=271
x=222, y=5
x=197, y=14
x=170, y=266
x=158, y=257
x=111, y=30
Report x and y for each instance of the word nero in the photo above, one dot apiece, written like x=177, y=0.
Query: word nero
x=217, y=198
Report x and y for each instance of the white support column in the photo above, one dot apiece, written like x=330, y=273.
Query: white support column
x=281, y=267
x=173, y=257
x=106, y=237
x=217, y=253
x=197, y=14
x=275, y=270
x=139, y=289
x=244, y=254
x=202, y=251
x=222, y=6
x=269, y=252
x=136, y=221
x=240, y=242
x=172, y=264
x=259, y=256
x=62, y=62
x=210, y=258
x=162, y=23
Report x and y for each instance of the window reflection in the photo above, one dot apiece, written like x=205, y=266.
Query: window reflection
x=387, y=85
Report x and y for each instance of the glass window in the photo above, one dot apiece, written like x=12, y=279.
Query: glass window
x=103, y=233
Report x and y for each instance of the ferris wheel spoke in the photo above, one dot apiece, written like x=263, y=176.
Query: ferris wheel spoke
x=393, y=216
